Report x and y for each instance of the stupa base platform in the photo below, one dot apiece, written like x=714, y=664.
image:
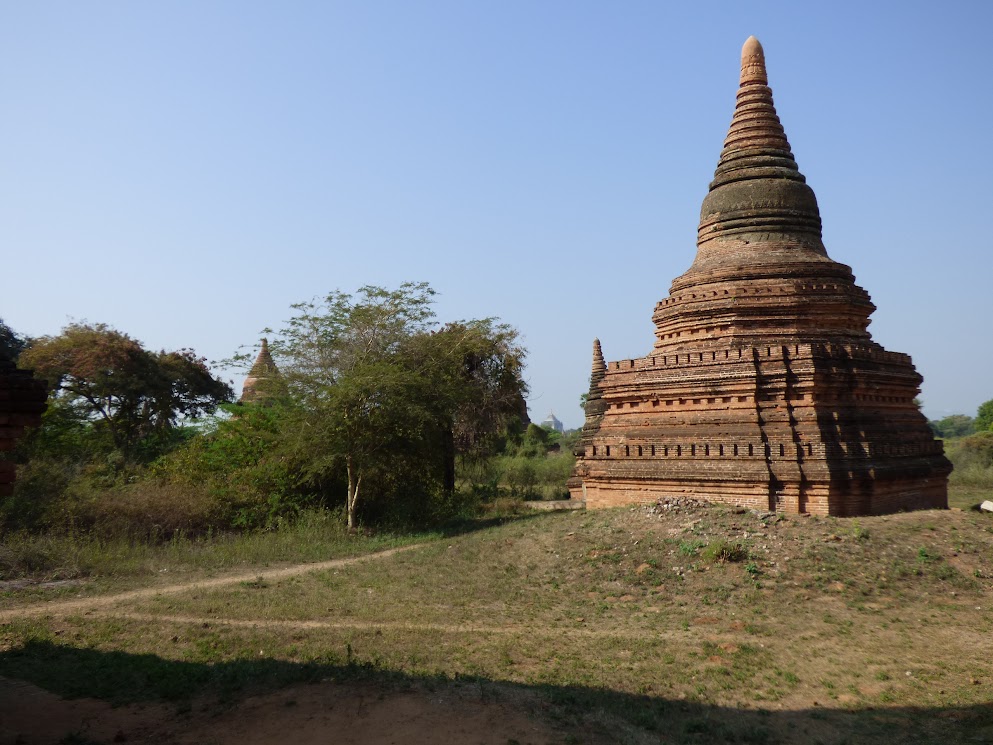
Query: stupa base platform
x=839, y=500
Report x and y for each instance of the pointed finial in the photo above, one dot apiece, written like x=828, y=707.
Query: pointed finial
x=595, y=405
x=598, y=363
x=265, y=344
x=757, y=190
x=753, y=63
x=599, y=366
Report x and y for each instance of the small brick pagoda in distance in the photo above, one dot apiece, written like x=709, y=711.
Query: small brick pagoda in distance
x=764, y=387
x=261, y=378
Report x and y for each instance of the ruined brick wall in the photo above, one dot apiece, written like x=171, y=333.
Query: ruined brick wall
x=22, y=401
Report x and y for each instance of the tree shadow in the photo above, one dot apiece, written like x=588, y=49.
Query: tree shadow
x=465, y=526
x=121, y=678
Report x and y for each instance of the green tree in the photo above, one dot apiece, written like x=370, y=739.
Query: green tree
x=110, y=380
x=954, y=425
x=246, y=463
x=341, y=360
x=383, y=392
x=476, y=372
x=984, y=417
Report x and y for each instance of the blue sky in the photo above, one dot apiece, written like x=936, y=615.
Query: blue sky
x=185, y=171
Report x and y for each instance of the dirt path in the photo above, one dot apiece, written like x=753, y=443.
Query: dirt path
x=66, y=607
x=349, y=714
x=103, y=606
x=455, y=628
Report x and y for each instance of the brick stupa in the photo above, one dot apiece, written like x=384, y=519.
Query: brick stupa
x=764, y=387
x=259, y=382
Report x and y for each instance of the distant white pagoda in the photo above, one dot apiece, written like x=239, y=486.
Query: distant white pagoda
x=552, y=422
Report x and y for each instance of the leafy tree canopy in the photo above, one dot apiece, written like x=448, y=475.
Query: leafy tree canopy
x=955, y=425
x=984, y=417
x=112, y=381
x=385, y=391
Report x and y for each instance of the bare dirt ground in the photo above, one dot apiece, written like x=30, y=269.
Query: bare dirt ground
x=304, y=714
x=325, y=712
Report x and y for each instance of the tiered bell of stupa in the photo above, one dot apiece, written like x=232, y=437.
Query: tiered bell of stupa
x=761, y=268
x=758, y=194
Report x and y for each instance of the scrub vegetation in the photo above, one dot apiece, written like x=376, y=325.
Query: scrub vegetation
x=694, y=624
x=379, y=416
x=364, y=528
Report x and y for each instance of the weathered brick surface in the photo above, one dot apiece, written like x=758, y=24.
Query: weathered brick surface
x=22, y=401
x=764, y=387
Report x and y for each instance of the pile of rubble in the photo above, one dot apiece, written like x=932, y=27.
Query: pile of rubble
x=667, y=505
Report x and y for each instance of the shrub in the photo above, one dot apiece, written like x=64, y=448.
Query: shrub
x=723, y=551
x=242, y=470
x=150, y=509
x=532, y=477
x=40, y=487
x=972, y=458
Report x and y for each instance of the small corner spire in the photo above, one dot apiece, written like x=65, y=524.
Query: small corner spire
x=598, y=364
x=599, y=371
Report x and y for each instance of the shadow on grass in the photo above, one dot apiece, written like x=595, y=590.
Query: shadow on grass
x=467, y=525
x=121, y=678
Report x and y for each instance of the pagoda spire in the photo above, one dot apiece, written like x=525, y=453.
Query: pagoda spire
x=755, y=127
x=263, y=371
x=595, y=406
x=599, y=366
x=760, y=236
x=758, y=192
x=264, y=364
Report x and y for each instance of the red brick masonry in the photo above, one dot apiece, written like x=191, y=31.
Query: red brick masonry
x=764, y=387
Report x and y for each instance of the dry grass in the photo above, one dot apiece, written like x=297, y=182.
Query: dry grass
x=49, y=567
x=156, y=510
x=967, y=497
x=851, y=618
